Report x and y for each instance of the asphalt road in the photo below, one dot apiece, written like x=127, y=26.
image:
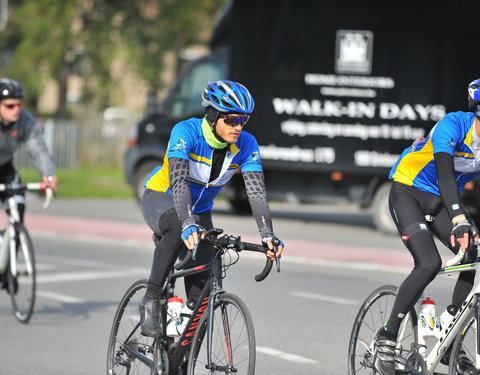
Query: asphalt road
x=89, y=252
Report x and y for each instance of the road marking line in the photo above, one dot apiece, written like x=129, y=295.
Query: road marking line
x=88, y=263
x=59, y=297
x=325, y=298
x=287, y=356
x=83, y=276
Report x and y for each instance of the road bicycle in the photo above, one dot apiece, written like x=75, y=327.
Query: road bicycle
x=219, y=336
x=17, y=260
x=413, y=355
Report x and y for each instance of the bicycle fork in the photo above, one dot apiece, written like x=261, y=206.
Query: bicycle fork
x=226, y=333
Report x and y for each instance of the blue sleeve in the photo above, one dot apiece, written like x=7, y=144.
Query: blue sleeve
x=446, y=134
x=181, y=141
x=251, y=161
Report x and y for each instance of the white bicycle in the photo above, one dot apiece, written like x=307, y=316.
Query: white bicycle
x=17, y=260
x=413, y=356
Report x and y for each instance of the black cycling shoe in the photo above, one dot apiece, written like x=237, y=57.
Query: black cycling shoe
x=384, y=355
x=150, y=317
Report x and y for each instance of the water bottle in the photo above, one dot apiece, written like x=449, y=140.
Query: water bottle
x=174, y=308
x=447, y=316
x=427, y=318
x=185, y=314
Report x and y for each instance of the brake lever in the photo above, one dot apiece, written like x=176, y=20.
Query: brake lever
x=277, y=259
x=194, y=251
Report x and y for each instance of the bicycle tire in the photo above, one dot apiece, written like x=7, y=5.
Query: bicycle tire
x=236, y=354
x=465, y=340
x=126, y=326
x=22, y=287
x=373, y=315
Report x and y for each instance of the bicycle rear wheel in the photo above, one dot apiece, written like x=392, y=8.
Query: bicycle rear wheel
x=462, y=359
x=232, y=340
x=373, y=315
x=126, y=343
x=22, y=286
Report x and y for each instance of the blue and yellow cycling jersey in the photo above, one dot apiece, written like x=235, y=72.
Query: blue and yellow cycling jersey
x=187, y=142
x=453, y=134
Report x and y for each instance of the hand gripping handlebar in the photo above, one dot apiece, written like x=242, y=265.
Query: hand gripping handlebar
x=457, y=259
x=229, y=242
x=30, y=186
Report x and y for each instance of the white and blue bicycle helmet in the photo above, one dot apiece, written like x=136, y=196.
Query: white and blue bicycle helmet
x=228, y=96
x=474, y=97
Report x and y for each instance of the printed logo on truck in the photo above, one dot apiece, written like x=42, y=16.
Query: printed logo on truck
x=354, y=50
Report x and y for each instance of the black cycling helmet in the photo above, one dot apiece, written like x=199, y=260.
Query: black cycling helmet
x=9, y=88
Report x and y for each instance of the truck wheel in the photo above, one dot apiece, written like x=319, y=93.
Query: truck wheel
x=380, y=211
x=141, y=174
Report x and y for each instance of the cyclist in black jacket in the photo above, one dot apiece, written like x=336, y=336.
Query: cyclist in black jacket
x=18, y=126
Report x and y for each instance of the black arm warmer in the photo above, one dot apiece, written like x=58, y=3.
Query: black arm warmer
x=257, y=196
x=179, y=175
x=447, y=184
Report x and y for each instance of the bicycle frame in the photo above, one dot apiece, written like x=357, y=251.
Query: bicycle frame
x=448, y=334
x=9, y=237
x=205, y=303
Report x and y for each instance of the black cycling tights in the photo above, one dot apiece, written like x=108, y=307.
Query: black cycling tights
x=171, y=245
x=408, y=207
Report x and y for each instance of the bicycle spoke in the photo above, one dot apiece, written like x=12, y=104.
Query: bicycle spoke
x=22, y=276
x=233, y=341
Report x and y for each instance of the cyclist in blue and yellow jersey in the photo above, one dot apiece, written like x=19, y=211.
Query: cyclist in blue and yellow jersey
x=202, y=155
x=425, y=201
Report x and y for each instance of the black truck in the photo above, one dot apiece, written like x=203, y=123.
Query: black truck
x=340, y=88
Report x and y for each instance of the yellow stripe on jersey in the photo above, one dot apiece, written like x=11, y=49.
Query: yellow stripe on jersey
x=469, y=138
x=412, y=163
x=203, y=183
x=464, y=154
x=234, y=149
x=200, y=159
x=160, y=180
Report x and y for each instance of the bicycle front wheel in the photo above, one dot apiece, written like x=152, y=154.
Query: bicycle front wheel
x=373, y=315
x=232, y=340
x=22, y=285
x=463, y=358
x=126, y=344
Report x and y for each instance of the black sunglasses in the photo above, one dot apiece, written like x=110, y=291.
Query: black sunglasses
x=235, y=120
x=12, y=106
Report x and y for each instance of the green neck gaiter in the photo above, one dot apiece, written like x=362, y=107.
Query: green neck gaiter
x=210, y=137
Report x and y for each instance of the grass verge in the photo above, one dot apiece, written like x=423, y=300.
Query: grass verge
x=86, y=183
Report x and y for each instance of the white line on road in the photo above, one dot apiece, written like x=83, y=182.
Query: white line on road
x=322, y=297
x=59, y=297
x=287, y=356
x=83, y=276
